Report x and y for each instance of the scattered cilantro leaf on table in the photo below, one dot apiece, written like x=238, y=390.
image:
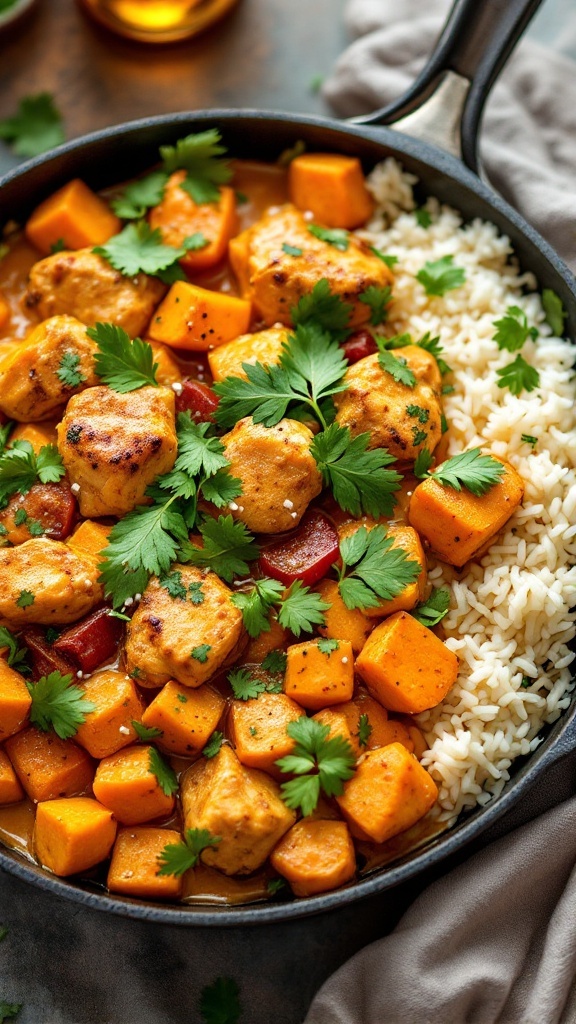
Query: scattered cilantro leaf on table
x=518, y=376
x=220, y=1003
x=512, y=329
x=35, y=127
x=58, y=704
x=3, y=932
x=441, y=276
x=554, y=311
x=432, y=611
x=68, y=372
x=165, y=775
x=8, y=1011
x=176, y=858
x=122, y=364
x=358, y=477
x=320, y=764
x=372, y=569
x=201, y=156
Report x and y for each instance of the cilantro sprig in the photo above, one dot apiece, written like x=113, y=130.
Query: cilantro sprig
x=337, y=237
x=518, y=376
x=165, y=775
x=139, y=249
x=441, y=276
x=512, y=329
x=139, y=196
x=122, y=364
x=554, y=312
x=214, y=744
x=397, y=367
x=358, y=477
x=299, y=608
x=16, y=656
x=470, y=469
x=428, y=342
x=201, y=155
x=228, y=548
x=21, y=468
x=319, y=764
x=378, y=299
x=324, y=309
x=59, y=705
x=68, y=371
x=220, y=1003
x=176, y=858
x=432, y=611
x=372, y=569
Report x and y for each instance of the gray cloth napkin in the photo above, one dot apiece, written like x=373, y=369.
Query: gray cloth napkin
x=493, y=942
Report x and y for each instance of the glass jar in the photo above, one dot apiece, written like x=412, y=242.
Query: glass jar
x=157, y=21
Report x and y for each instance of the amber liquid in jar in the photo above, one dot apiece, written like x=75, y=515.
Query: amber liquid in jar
x=157, y=21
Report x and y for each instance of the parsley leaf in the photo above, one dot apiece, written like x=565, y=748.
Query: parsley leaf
x=326, y=646
x=372, y=569
x=20, y=468
x=422, y=415
x=172, y=582
x=16, y=655
x=358, y=478
x=318, y=762
x=441, y=276
x=35, y=127
x=321, y=307
x=245, y=686
x=291, y=250
x=301, y=609
x=470, y=469
x=176, y=858
x=213, y=745
x=140, y=196
x=554, y=311
x=512, y=329
x=165, y=775
x=68, y=372
x=200, y=155
x=25, y=599
x=228, y=548
x=145, y=732
x=255, y=605
x=59, y=705
x=219, y=1003
x=201, y=653
x=378, y=299
x=275, y=662
x=364, y=730
x=397, y=367
x=337, y=237
x=122, y=364
x=432, y=611
x=196, y=452
x=422, y=464
x=139, y=249
x=390, y=261
x=518, y=376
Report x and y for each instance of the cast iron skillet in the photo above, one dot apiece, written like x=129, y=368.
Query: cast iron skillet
x=444, y=107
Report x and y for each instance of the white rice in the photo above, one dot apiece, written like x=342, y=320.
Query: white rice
x=510, y=613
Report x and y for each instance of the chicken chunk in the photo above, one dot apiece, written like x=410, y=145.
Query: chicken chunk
x=88, y=287
x=55, y=361
x=241, y=805
x=114, y=445
x=278, y=473
x=263, y=347
x=276, y=280
x=42, y=581
x=400, y=418
x=176, y=638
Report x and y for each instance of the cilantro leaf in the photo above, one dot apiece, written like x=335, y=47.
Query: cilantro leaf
x=275, y=662
x=196, y=452
x=422, y=464
x=441, y=276
x=220, y=1003
x=301, y=609
x=35, y=127
x=122, y=364
x=139, y=249
x=423, y=218
x=3, y=932
x=17, y=655
x=529, y=439
x=26, y=599
x=512, y=329
x=275, y=885
x=320, y=764
x=172, y=582
x=432, y=611
x=140, y=196
x=470, y=469
x=373, y=570
x=291, y=250
x=200, y=155
x=145, y=732
x=364, y=730
x=554, y=312
x=397, y=367
x=68, y=372
x=422, y=415
x=20, y=468
x=244, y=686
x=200, y=653
x=321, y=307
x=228, y=548
x=358, y=478
x=288, y=155
x=176, y=858
x=518, y=376
x=378, y=299
x=337, y=237
x=255, y=605
x=165, y=775
x=8, y=1011
x=326, y=646
x=265, y=393
x=390, y=261
x=222, y=488
x=433, y=346
x=213, y=745
x=59, y=705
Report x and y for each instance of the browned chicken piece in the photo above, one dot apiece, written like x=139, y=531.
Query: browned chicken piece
x=278, y=472
x=36, y=377
x=88, y=287
x=276, y=280
x=186, y=639
x=400, y=418
x=113, y=446
x=242, y=806
x=263, y=347
x=42, y=581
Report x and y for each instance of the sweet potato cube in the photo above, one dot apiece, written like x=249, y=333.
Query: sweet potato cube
x=315, y=856
x=272, y=639
x=405, y=666
x=89, y=540
x=457, y=524
x=241, y=805
x=73, y=835
x=134, y=865
x=186, y=717
x=263, y=347
x=406, y=538
x=343, y=721
x=258, y=729
x=109, y=727
x=38, y=434
x=343, y=623
x=178, y=216
x=198, y=319
x=74, y=215
x=332, y=187
x=49, y=767
x=10, y=789
x=126, y=784
x=167, y=367
x=238, y=253
x=15, y=701
x=388, y=793
x=316, y=677
x=4, y=312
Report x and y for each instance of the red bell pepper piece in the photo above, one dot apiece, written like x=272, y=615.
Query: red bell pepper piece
x=53, y=506
x=92, y=641
x=198, y=399
x=306, y=554
x=43, y=657
x=359, y=345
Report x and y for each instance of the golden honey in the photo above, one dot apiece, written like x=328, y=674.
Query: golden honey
x=157, y=21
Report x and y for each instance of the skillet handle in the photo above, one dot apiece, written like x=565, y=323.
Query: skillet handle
x=445, y=103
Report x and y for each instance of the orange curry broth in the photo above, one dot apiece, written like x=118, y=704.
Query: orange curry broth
x=263, y=186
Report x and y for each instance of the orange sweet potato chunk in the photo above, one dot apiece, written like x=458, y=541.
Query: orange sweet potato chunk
x=332, y=187
x=49, y=767
x=178, y=216
x=315, y=856
x=258, y=729
x=238, y=254
x=109, y=727
x=134, y=865
x=10, y=789
x=186, y=717
x=198, y=319
x=74, y=215
x=316, y=678
x=126, y=785
x=15, y=701
x=342, y=720
x=269, y=640
x=341, y=622
x=89, y=540
x=73, y=835
x=405, y=666
x=406, y=538
x=4, y=312
x=388, y=793
x=38, y=434
x=457, y=524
